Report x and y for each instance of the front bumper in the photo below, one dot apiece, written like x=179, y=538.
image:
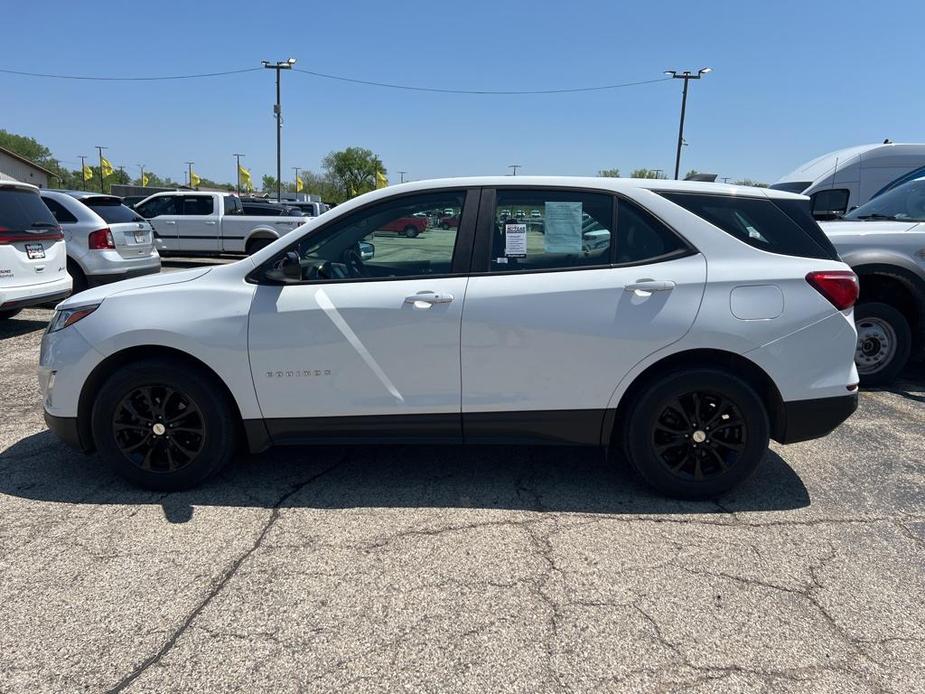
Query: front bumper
x=66, y=429
x=802, y=420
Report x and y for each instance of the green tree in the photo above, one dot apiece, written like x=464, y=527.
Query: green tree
x=645, y=173
x=750, y=182
x=352, y=171
x=692, y=172
x=269, y=184
x=27, y=147
x=609, y=173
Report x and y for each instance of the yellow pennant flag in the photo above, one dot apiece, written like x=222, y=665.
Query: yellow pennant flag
x=381, y=180
x=144, y=180
x=194, y=179
x=106, y=167
x=245, y=177
x=87, y=172
x=298, y=185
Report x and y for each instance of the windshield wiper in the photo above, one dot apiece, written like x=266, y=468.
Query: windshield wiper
x=875, y=215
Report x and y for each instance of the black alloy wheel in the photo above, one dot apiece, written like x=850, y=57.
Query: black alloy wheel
x=159, y=429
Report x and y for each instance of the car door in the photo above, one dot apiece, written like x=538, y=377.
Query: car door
x=198, y=225
x=163, y=212
x=559, y=309
x=367, y=341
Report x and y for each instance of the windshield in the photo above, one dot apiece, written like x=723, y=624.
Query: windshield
x=791, y=187
x=905, y=203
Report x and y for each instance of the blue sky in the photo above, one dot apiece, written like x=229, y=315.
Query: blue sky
x=791, y=80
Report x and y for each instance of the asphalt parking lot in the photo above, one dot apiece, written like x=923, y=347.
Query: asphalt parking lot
x=455, y=570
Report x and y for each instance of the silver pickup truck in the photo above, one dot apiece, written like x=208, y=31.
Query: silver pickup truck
x=200, y=223
x=884, y=243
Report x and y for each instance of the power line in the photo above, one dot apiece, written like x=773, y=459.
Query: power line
x=339, y=78
x=126, y=79
x=496, y=92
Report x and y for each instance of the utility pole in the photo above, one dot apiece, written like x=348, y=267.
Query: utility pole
x=658, y=172
x=402, y=174
x=189, y=165
x=687, y=76
x=296, y=169
x=237, y=168
x=515, y=167
x=83, y=164
x=278, y=112
x=100, y=150
x=142, y=179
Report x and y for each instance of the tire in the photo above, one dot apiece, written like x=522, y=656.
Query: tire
x=77, y=275
x=667, y=446
x=410, y=231
x=152, y=393
x=444, y=226
x=9, y=314
x=256, y=245
x=884, y=343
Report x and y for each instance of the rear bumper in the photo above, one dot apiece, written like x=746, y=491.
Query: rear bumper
x=802, y=420
x=45, y=293
x=97, y=280
x=66, y=429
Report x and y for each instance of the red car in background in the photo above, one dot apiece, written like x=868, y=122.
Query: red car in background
x=451, y=222
x=407, y=226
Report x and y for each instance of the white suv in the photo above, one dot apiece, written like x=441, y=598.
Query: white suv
x=706, y=320
x=33, y=264
x=106, y=241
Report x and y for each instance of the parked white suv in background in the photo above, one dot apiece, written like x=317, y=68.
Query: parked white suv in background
x=33, y=263
x=715, y=318
x=106, y=240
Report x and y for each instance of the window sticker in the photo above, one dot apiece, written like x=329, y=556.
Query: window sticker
x=562, y=227
x=515, y=240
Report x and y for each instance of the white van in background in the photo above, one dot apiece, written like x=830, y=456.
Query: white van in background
x=844, y=179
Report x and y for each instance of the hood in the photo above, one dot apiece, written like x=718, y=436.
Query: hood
x=97, y=294
x=885, y=226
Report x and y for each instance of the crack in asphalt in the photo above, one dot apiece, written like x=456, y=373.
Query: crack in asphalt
x=219, y=585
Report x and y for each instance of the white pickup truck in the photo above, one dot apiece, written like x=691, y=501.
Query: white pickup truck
x=194, y=223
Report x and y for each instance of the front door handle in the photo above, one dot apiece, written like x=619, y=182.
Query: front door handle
x=168, y=221
x=648, y=285
x=211, y=223
x=429, y=298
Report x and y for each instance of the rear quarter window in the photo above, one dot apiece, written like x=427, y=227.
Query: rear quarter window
x=778, y=226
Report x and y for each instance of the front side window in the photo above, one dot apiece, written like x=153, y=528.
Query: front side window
x=198, y=205
x=905, y=203
x=571, y=229
x=396, y=238
x=156, y=207
x=59, y=211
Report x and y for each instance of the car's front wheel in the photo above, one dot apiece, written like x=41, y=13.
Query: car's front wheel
x=697, y=433
x=163, y=424
x=411, y=231
x=884, y=342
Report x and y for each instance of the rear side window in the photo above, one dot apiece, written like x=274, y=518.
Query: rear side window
x=641, y=237
x=59, y=211
x=113, y=212
x=758, y=222
x=198, y=205
x=23, y=210
x=233, y=205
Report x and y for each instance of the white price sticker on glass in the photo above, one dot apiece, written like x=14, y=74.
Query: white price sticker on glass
x=515, y=240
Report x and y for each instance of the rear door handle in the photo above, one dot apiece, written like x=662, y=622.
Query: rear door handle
x=212, y=223
x=429, y=298
x=650, y=286
x=168, y=221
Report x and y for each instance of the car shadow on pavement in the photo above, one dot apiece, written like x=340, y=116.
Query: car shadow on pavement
x=14, y=327
x=542, y=479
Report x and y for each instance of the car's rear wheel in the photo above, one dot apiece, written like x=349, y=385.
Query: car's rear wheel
x=255, y=245
x=410, y=231
x=444, y=226
x=884, y=342
x=697, y=433
x=9, y=314
x=163, y=424
x=78, y=278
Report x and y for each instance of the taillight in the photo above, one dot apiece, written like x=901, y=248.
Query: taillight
x=8, y=236
x=840, y=287
x=100, y=239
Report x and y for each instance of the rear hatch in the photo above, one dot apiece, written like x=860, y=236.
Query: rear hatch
x=131, y=233
x=31, y=242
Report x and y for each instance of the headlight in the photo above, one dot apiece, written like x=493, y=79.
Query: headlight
x=69, y=316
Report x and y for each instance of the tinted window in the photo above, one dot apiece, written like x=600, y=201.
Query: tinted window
x=155, y=207
x=263, y=210
x=198, y=205
x=233, y=205
x=905, y=203
x=390, y=239
x=112, y=210
x=641, y=237
x=572, y=230
x=22, y=210
x=757, y=222
x=791, y=187
x=59, y=212
x=830, y=202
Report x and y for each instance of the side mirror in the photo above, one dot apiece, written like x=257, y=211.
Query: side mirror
x=291, y=267
x=367, y=250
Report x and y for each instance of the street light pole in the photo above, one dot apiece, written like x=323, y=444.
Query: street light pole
x=142, y=179
x=296, y=169
x=402, y=174
x=515, y=167
x=189, y=174
x=687, y=76
x=237, y=168
x=277, y=110
x=100, y=150
x=83, y=164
